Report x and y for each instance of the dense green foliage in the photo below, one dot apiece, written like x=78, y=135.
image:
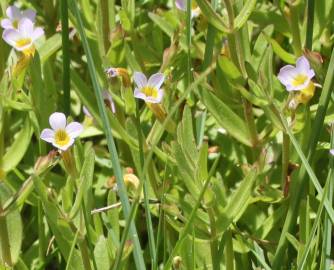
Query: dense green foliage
x=224, y=173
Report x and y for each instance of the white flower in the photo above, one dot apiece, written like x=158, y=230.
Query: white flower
x=182, y=5
x=149, y=90
x=23, y=38
x=14, y=15
x=61, y=135
x=296, y=78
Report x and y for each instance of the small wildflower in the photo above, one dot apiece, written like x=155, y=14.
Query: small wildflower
x=14, y=15
x=298, y=78
x=23, y=38
x=182, y=5
x=112, y=72
x=149, y=90
x=61, y=135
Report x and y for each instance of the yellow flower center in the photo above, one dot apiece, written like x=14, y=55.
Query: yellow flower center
x=61, y=137
x=23, y=42
x=150, y=91
x=306, y=94
x=299, y=79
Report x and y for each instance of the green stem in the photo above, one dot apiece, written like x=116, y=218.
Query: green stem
x=213, y=241
x=229, y=262
x=138, y=255
x=66, y=55
x=293, y=19
x=309, y=25
x=143, y=178
x=188, y=42
x=285, y=159
x=85, y=255
x=302, y=177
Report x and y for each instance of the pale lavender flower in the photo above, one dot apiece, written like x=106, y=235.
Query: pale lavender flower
x=86, y=111
x=112, y=72
x=149, y=90
x=182, y=5
x=14, y=15
x=61, y=135
x=23, y=38
x=331, y=151
x=296, y=78
x=107, y=98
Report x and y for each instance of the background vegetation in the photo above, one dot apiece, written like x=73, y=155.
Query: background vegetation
x=227, y=178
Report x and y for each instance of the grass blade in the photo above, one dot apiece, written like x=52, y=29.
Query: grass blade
x=138, y=256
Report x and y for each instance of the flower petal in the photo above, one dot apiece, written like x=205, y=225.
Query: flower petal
x=13, y=12
x=64, y=147
x=6, y=24
x=140, y=79
x=74, y=129
x=332, y=152
x=37, y=33
x=302, y=64
x=48, y=135
x=181, y=5
x=11, y=36
x=29, y=14
x=86, y=111
x=156, y=80
x=26, y=27
x=57, y=121
x=138, y=94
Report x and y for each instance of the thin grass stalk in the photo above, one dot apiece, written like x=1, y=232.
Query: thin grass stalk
x=66, y=55
x=138, y=255
x=327, y=230
x=285, y=159
x=68, y=264
x=229, y=257
x=213, y=241
x=309, y=24
x=189, y=224
x=161, y=224
x=293, y=18
x=41, y=237
x=300, y=181
x=188, y=33
x=315, y=225
x=143, y=178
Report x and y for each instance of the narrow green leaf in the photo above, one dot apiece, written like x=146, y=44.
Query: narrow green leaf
x=16, y=151
x=212, y=16
x=244, y=14
x=226, y=118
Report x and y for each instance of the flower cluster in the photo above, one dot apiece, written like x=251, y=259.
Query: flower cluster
x=20, y=31
x=298, y=78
